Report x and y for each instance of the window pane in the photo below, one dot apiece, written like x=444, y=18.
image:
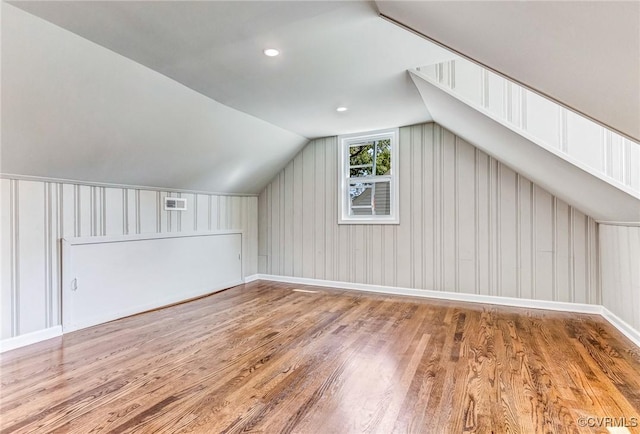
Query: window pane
x=382, y=198
x=383, y=157
x=360, y=198
x=361, y=156
x=370, y=198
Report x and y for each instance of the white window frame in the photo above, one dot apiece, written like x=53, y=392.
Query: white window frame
x=344, y=142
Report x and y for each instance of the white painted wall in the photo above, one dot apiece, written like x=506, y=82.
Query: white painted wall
x=620, y=262
x=468, y=224
x=35, y=215
x=72, y=109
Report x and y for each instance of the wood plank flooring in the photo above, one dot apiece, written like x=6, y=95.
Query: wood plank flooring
x=264, y=358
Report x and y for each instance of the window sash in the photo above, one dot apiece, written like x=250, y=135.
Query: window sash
x=374, y=159
x=350, y=213
x=369, y=179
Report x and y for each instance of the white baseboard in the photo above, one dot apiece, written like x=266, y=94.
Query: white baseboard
x=614, y=320
x=30, y=338
x=443, y=295
x=622, y=326
x=253, y=277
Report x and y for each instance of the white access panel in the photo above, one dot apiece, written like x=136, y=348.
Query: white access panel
x=106, y=278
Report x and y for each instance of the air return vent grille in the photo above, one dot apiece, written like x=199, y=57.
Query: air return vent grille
x=175, y=204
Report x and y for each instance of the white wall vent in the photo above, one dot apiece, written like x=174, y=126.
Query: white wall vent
x=175, y=204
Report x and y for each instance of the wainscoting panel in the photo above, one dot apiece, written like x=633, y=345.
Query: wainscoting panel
x=468, y=224
x=35, y=214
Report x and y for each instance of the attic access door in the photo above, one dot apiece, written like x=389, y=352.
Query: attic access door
x=106, y=278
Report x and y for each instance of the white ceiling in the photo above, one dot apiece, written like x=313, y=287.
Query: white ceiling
x=74, y=110
x=583, y=53
x=332, y=54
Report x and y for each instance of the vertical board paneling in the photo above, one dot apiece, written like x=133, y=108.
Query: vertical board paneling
x=166, y=218
x=235, y=215
x=507, y=254
x=595, y=295
x=580, y=258
x=36, y=215
x=308, y=184
x=202, y=212
x=274, y=244
x=343, y=257
x=404, y=237
x=467, y=223
x=131, y=204
x=85, y=210
x=287, y=202
x=6, y=257
x=427, y=267
x=544, y=233
x=31, y=247
x=465, y=186
x=54, y=252
x=68, y=205
x=114, y=211
x=147, y=211
x=297, y=212
x=187, y=218
x=214, y=213
x=417, y=216
x=223, y=212
x=263, y=223
x=620, y=251
x=493, y=220
x=448, y=212
x=251, y=234
x=483, y=163
x=319, y=210
x=330, y=203
x=562, y=265
x=525, y=244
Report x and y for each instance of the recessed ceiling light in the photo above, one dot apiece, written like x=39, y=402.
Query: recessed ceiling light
x=271, y=52
x=341, y=109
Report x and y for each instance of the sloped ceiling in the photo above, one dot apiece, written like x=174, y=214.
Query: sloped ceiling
x=585, y=54
x=74, y=110
x=332, y=54
x=180, y=95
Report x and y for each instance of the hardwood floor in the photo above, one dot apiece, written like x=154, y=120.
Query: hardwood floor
x=264, y=358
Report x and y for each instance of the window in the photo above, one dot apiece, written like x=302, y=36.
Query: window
x=369, y=177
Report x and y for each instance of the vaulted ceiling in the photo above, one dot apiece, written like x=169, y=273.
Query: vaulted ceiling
x=585, y=54
x=179, y=94
x=332, y=54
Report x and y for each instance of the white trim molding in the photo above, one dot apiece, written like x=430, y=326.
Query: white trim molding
x=615, y=321
x=622, y=326
x=30, y=338
x=252, y=278
x=115, y=185
x=347, y=141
